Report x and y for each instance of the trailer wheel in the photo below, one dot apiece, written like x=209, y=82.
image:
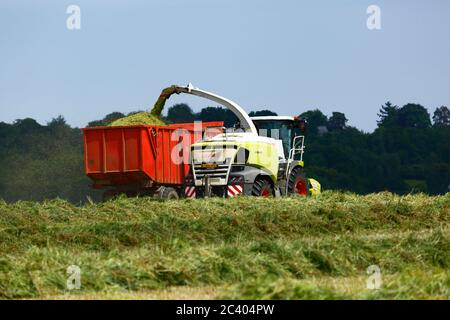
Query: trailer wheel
x=298, y=184
x=262, y=188
x=109, y=195
x=167, y=193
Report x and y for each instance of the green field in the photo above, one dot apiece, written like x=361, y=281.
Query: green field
x=246, y=248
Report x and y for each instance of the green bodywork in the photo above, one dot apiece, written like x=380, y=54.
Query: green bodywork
x=261, y=155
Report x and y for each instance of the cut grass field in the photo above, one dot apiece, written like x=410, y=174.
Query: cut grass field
x=245, y=248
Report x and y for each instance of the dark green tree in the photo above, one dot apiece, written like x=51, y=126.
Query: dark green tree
x=109, y=118
x=441, y=117
x=180, y=113
x=388, y=115
x=413, y=115
x=262, y=113
x=27, y=125
x=337, y=122
x=42, y=162
x=58, y=122
x=315, y=118
x=217, y=114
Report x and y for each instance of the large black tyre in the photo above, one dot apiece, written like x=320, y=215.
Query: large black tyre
x=298, y=184
x=262, y=188
x=167, y=193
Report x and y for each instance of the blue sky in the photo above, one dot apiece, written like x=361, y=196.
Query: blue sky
x=288, y=56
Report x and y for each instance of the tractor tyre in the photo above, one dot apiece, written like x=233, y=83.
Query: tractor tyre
x=262, y=188
x=298, y=184
x=168, y=193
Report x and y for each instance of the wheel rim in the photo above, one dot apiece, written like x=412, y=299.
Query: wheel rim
x=300, y=187
x=265, y=192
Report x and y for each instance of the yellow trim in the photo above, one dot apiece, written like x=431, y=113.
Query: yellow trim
x=315, y=187
x=262, y=154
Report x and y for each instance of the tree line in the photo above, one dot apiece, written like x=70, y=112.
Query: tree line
x=409, y=151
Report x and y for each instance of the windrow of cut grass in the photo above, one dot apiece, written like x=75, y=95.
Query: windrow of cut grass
x=408, y=284
x=141, y=244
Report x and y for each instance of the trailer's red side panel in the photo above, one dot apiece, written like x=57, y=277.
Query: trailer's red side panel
x=93, y=146
x=114, y=150
x=147, y=153
x=140, y=154
x=132, y=138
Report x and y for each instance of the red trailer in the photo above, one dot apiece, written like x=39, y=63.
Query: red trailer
x=142, y=159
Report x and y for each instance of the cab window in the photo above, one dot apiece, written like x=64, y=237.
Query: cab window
x=277, y=129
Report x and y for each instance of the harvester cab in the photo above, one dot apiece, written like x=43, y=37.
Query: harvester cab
x=261, y=156
x=289, y=130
